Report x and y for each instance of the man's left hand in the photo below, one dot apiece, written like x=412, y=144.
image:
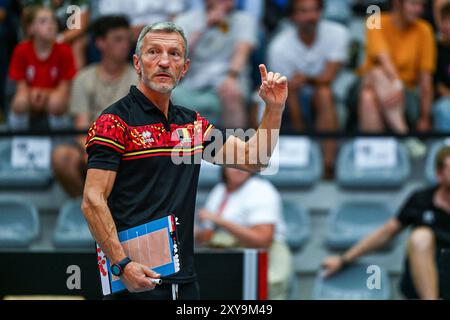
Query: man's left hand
x=274, y=88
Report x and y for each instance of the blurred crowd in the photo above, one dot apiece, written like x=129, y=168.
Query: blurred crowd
x=63, y=62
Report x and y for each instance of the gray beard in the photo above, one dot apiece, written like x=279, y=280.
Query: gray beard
x=153, y=87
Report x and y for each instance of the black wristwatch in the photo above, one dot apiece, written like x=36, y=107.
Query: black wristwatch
x=118, y=268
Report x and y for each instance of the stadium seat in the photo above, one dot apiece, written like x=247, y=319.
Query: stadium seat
x=72, y=230
x=352, y=283
x=351, y=221
x=291, y=175
x=20, y=178
x=430, y=174
x=209, y=175
x=19, y=223
x=298, y=224
x=349, y=175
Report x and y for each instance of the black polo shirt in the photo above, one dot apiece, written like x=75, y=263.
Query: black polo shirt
x=420, y=211
x=135, y=139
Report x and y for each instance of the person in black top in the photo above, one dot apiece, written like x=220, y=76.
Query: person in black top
x=135, y=147
x=441, y=108
x=427, y=212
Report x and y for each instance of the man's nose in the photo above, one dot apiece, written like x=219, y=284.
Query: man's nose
x=164, y=61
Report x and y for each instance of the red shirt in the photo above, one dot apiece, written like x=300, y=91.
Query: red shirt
x=25, y=65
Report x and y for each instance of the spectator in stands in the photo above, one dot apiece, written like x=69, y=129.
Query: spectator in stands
x=400, y=63
x=95, y=87
x=311, y=54
x=9, y=17
x=43, y=70
x=441, y=108
x=254, y=8
x=428, y=213
x=75, y=36
x=221, y=40
x=246, y=211
x=140, y=12
x=432, y=13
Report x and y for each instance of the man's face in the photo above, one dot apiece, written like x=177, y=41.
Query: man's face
x=412, y=9
x=226, y=5
x=445, y=28
x=236, y=177
x=44, y=25
x=444, y=174
x=116, y=44
x=162, y=63
x=306, y=15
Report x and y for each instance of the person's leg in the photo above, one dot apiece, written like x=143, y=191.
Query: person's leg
x=441, y=115
x=233, y=104
x=280, y=271
x=393, y=109
x=67, y=163
x=19, y=117
x=369, y=117
x=422, y=261
x=326, y=121
x=57, y=111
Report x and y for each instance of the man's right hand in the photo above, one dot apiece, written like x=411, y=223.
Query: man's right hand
x=137, y=277
x=331, y=265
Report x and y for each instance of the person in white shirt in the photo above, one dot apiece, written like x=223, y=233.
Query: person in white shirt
x=141, y=12
x=221, y=40
x=310, y=53
x=246, y=211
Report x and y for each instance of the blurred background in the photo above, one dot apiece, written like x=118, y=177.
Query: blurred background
x=367, y=114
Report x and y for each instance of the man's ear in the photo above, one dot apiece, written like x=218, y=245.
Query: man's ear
x=187, y=63
x=137, y=64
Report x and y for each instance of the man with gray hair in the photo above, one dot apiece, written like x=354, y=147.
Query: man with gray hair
x=132, y=177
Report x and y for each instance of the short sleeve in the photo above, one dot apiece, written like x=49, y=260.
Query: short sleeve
x=407, y=214
x=17, y=68
x=68, y=68
x=428, y=50
x=338, y=50
x=105, y=143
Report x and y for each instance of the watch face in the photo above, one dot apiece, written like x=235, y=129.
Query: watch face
x=115, y=270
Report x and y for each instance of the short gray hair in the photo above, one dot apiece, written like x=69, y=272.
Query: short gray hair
x=168, y=27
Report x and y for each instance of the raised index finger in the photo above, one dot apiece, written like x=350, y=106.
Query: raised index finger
x=263, y=71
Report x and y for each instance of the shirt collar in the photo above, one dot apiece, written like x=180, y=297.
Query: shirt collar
x=146, y=103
